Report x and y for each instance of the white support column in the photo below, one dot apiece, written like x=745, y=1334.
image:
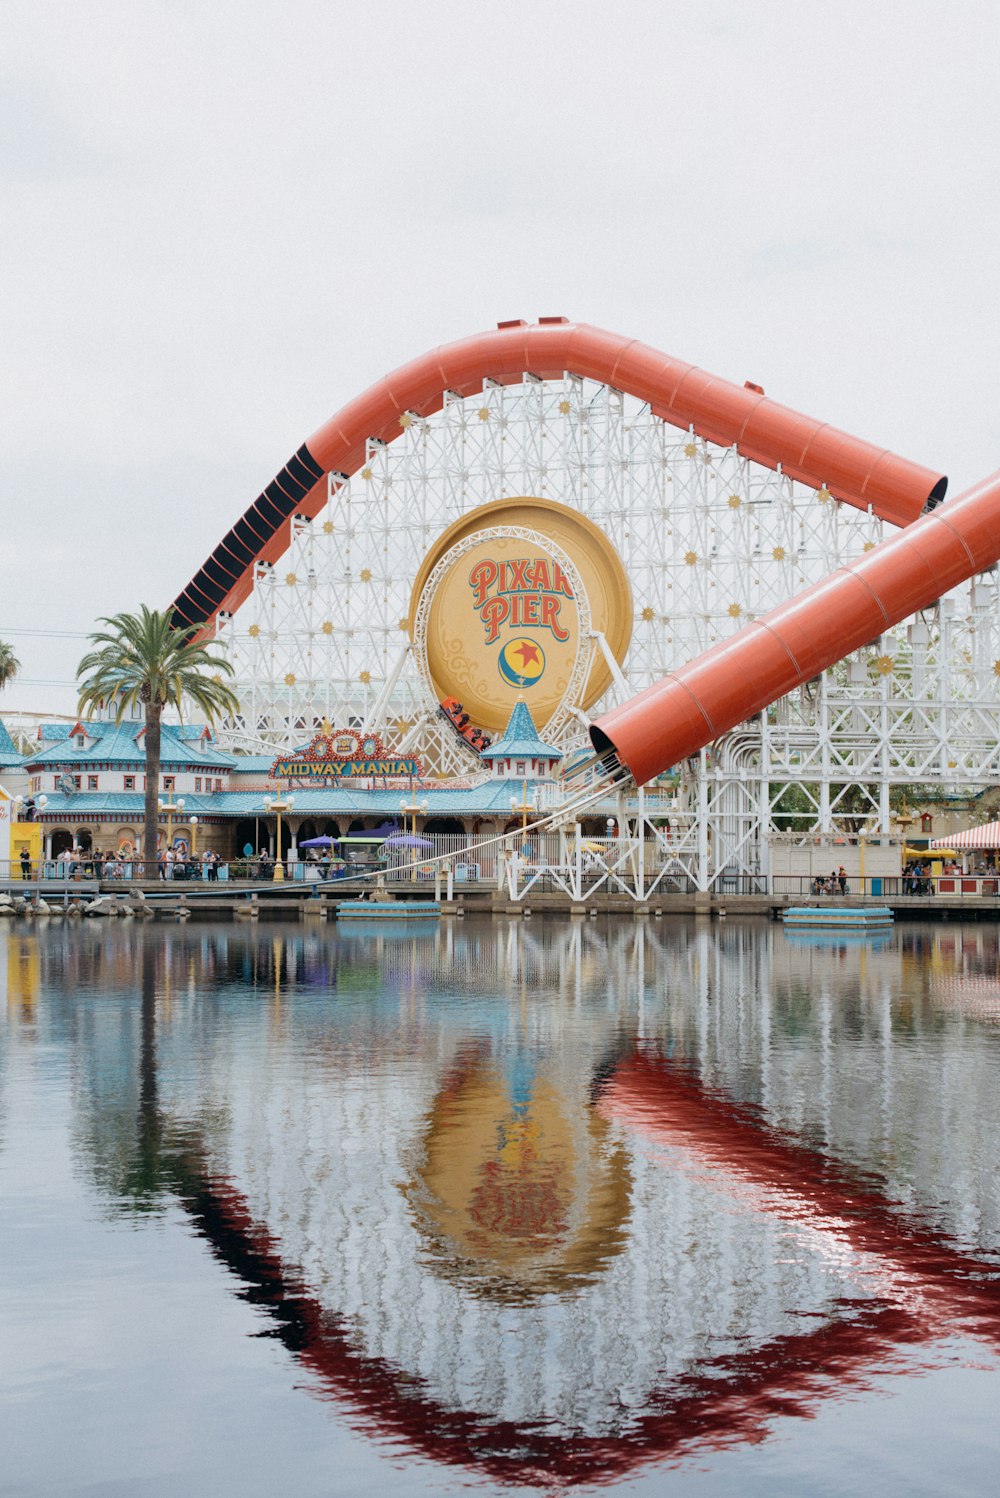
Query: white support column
x=704, y=874
x=825, y=822
x=764, y=802
x=884, y=826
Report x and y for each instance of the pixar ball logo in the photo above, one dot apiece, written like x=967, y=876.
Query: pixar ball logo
x=521, y=662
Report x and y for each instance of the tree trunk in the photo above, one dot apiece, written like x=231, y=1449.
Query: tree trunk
x=152, y=809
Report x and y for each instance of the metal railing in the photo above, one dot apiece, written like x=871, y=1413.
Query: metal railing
x=888, y=886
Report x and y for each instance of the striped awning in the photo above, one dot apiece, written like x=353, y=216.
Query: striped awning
x=987, y=836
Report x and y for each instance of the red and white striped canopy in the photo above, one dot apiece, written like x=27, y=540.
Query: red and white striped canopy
x=987, y=836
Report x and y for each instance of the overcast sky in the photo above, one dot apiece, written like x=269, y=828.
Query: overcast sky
x=221, y=221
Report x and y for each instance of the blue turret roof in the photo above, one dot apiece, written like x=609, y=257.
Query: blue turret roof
x=9, y=756
x=520, y=739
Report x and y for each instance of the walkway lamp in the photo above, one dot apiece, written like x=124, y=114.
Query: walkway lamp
x=413, y=809
x=277, y=805
x=168, y=807
x=193, y=820
x=526, y=808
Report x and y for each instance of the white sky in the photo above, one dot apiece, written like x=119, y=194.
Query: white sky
x=221, y=221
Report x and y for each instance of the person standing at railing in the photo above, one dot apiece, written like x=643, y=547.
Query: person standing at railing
x=25, y=857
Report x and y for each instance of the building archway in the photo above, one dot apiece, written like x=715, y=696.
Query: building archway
x=62, y=841
x=444, y=825
x=249, y=830
x=84, y=839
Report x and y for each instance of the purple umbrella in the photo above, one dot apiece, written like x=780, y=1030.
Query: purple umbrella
x=318, y=842
x=407, y=840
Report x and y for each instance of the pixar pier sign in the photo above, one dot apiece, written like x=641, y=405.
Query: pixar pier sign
x=524, y=593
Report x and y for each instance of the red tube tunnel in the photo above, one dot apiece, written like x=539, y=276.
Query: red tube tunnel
x=739, y=677
x=732, y=415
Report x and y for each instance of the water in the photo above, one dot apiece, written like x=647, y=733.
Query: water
x=645, y=1207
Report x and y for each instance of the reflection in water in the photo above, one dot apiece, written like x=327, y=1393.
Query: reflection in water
x=551, y=1203
x=516, y=1183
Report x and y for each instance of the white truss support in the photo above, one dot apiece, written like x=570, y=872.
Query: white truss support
x=376, y=719
x=624, y=690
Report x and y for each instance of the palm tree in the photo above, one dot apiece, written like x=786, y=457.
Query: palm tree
x=143, y=658
x=9, y=664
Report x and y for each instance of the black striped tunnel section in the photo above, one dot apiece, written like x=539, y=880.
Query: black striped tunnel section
x=201, y=599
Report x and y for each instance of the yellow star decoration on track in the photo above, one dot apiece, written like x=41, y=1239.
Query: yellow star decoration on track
x=406, y=420
x=364, y=677
x=690, y=449
x=564, y=408
x=291, y=579
x=868, y=546
x=366, y=474
x=648, y=614
x=734, y=611
x=403, y=624
x=289, y=678
x=996, y=668
x=734, y=501
x=484, y=413
x=884, y=665
x=823, y=495
x=365, y=574
x=778, y=553
x=327, y=626
x=253, y=631
x=690, y=557
x=328, y=527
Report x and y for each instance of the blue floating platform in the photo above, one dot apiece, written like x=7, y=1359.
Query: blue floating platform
x=847, y=938
x=839, y=918
x=393, y=910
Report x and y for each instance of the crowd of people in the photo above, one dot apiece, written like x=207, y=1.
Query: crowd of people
x=93, y=863
x=917, y=879
x=171, y=864
x=836, y=884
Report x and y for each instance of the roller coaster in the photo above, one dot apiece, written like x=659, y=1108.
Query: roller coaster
x=805, y=610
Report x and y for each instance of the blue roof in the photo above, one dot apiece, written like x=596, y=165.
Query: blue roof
x=521, y=739
x=119, y=743
x=129, y=804
x=9, y=756
x=490, y=797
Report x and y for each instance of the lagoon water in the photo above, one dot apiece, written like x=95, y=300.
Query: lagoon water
x=638, y=1206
